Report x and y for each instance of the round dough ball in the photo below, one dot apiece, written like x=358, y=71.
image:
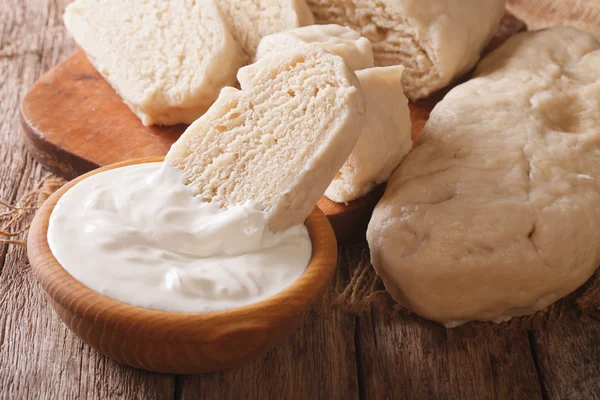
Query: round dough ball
x=496, y=212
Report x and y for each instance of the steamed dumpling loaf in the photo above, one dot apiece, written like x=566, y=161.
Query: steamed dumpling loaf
x=496, y=212
x=279, y=140
x=343, y=41
x=385, y=138
x=167, y=60
x=436, y=40
x=250, y=20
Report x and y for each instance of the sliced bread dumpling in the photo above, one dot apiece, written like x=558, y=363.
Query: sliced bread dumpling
x=385, y=138
x=167, y=60
x=436, y=40
x=250, y=20
x=278, y=141
x=341, y=40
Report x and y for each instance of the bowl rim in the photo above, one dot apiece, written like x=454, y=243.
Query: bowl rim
x=108, y=313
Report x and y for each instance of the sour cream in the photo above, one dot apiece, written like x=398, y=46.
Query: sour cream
x=138, y=235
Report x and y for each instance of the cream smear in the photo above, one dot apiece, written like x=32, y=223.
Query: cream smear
x=138, y=235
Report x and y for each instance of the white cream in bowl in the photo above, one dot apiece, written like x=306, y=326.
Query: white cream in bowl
x=138, y=235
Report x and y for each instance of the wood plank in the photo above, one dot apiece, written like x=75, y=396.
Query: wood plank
x=103, y=378
x=567, y=356
x=37, y=353
x=402, y=356
x=39, y=356
x=408, y=357
x=316, y=362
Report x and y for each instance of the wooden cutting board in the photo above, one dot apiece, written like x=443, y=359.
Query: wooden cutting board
x=73, y=122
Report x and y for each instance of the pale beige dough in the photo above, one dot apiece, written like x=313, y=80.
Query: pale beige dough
x=385, y=138
x=343, y=41
x=168, y=60
x=436, y=40
x=250, y=20
x=496, y=212
x=278, y=141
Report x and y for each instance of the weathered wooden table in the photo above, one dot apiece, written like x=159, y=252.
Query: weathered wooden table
x=335, y=355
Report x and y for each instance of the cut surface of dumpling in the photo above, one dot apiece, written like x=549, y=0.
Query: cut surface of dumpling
x=250, y=20
x=167, y=60
x=436, y=40
x=385, y=138
x=278, y=141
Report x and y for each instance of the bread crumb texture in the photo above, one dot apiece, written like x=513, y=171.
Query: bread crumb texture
x=385, y=138
x=168, y=60
x=280, y=139
x=435, y=40
x=496, y=212
x=250, y=20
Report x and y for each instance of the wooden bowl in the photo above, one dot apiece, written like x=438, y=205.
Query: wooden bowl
x=171, y=342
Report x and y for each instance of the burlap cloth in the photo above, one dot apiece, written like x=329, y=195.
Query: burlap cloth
x=15, y=218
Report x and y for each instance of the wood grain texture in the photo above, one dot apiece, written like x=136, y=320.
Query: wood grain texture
x=567, y=356
x=402, y=356
x=539, y=14
x=102, y=378
x=73, y=122
x=39, y=357
x=406, y=358
x=170, y=342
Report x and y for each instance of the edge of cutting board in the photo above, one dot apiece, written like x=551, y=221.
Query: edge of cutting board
x=73, y=122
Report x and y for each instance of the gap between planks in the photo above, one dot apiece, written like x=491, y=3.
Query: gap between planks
x=11, y=199
x=534, y=354
x=360, y=368
x=476, y=358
